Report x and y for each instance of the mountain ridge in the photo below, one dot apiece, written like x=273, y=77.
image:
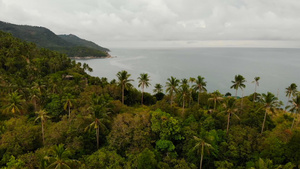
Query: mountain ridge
x=70, y=44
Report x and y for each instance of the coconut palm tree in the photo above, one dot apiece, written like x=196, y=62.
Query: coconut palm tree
x=295, y=107
x=230, y=108
x=238, y=82
x=200, y=145
x=59, y=158
x=124, y=81
x=42, y=114
x=200, y=86
x=215, y=97
x=87, y=67
x=256, y=79
x=14, y=103
x=270, y=102
x=171, y=85
x=191, y=89
x=35, y=97
x=158, y=88
x=98, y=115
x=184, y=92
x=291, y=91
x=143, y=82
x=69, y=101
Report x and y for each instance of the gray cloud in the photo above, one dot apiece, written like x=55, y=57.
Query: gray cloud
x=160, y=20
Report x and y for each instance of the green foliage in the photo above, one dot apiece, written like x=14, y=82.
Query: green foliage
x=131, y=132
x=223, y=165
x=55, y=106
x=292, y=146
x=69, y=44
x=81, y=42
x=165, y=145
x=59, y=158
x=15, y=163
x=165, y=126
x=77, y=113
x=104, y=158
x=20, y=137
x=241, y=144
x=146, y=160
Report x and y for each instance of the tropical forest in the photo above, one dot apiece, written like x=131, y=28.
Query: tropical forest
x=53, y=114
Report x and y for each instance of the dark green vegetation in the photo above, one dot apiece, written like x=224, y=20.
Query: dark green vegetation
x=43, y=37
x=54, y=115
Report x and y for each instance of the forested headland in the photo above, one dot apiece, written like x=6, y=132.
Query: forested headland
x=71, y=45
x=53, y=114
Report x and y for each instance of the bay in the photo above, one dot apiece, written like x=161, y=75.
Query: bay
x=277, y=67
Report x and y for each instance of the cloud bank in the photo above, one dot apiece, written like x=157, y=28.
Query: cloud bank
x=161, y=20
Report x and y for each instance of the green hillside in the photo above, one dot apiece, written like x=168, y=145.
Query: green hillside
x=53, y=114
x=82, y=42
x=43, y=37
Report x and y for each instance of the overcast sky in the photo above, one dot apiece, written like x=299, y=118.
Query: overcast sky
x=191, y=23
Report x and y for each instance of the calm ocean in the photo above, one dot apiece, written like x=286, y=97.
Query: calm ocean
x=277, y=67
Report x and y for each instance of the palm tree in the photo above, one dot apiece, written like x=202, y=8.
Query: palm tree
x=295, y=107
x=87, y=67
x=59, y=158
x=171, y=86
x=14, y=103
x=42, y=114
x=184, y=81
x=230, y=106
x=158, y=88
x=238, y=82
x=191, y=89
x=99, y=115
x=256, y=79
x=215, y=97
x=39, y=85
x=184, y=92
x=291, y=91
x=69, y=100
x=124, y=81
x=143, y=82
x=200, y=86
x=270, y=102
x=35, y=97
x=200, y=146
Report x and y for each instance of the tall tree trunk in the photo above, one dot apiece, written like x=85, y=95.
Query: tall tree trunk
x=69, y=110
x=43, y=133
x=263, y=125
x=171, y=95
x=142, y=94
x=236, y=93
x=202, y=153
x=122, y=94
x=182, y=106
x=242, y=98
x=215, y=104
x=254, y=95
x=287, y=102
x=190, y=99
x=199, y=98
x=293, y=123
x=228, y=122
x=97, y=135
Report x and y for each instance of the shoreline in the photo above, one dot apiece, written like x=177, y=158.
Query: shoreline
x=92, y=57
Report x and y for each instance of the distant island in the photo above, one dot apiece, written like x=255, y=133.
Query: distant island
x=71, y=45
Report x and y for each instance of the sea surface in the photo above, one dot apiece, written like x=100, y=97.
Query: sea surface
x=277, y=67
